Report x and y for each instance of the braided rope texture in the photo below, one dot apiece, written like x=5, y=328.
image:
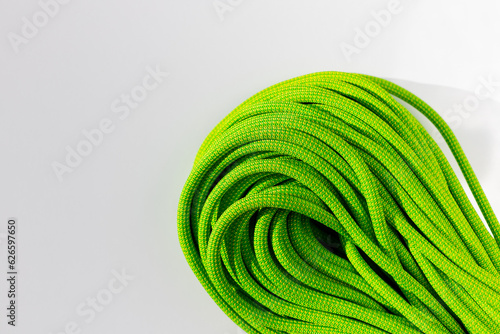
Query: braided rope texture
x=321, y=205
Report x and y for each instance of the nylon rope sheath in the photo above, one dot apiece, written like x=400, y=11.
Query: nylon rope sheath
x=321, y=205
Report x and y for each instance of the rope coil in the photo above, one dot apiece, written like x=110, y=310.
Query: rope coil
x=321, y=205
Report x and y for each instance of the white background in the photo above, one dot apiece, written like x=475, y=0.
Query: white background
x=117, y=209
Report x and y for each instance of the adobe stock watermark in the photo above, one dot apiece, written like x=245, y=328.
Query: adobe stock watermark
x=225, y=6
x=460, y=111
x=96, y=303
x=121, y=108
x=373, y=28
x=30, y=27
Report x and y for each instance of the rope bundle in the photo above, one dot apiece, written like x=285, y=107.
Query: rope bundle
x=321, y=205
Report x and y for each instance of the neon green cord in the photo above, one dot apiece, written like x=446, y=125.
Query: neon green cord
x=321, y=205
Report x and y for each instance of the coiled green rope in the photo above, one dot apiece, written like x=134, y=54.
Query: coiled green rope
x=321, y=205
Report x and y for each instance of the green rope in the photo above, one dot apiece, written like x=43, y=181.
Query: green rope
x=321, y=205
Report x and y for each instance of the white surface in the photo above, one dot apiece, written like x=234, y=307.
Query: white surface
x=117, y=209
